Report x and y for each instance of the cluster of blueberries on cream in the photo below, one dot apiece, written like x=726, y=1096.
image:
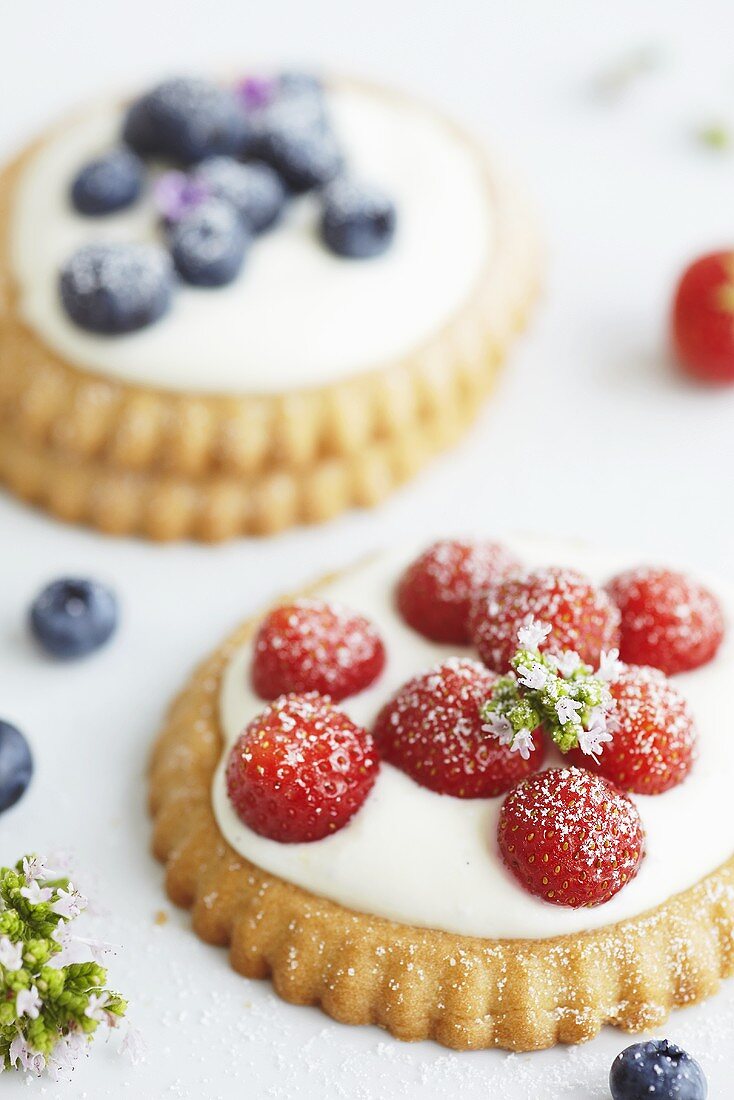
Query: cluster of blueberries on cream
x=567, y=668
x=223, y=162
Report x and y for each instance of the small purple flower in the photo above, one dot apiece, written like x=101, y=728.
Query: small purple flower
x=175, y=195
x=256, y=92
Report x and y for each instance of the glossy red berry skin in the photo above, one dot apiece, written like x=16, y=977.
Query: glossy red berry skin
x=300, y=770
x=433, y=731
x=702, y=320
x=570, y=838
x=669, y=620
x=311, y=645
x=435, y=593
x=582, y=616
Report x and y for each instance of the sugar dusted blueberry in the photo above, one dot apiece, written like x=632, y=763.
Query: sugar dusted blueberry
x=357, y=221
x=255, y=190
x=116, y=288
x=108, y=183
x=656, y=1070
x=303, y=155
x=209, y=245
x=186, y=119
x=16, y=765
x=72, y=617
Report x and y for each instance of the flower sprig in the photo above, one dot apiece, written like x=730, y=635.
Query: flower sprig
x=559, y=694
x=50, y=1007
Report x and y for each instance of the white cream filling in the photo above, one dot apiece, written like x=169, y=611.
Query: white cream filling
x=297, y=316
x=428, y=859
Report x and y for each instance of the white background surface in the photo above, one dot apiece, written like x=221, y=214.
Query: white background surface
x=592, y=434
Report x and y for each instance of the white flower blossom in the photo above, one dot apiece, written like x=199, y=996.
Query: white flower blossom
x=610, y=665
x=592, y=740
x=11, y=954
x=65, y=1055
x=566, y=663
x=523, y=743
x=567, y=709
x=36, y=894
x=535, y=678
x=134, y=1046
x=533, y=632
x=500, y=727
x=96, y=1006
x=29, y=1059
x=34, y=868
x=28, y=1003
x=69, y=903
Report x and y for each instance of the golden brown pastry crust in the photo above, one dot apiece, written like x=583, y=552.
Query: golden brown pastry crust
x=130, y=459
x=417, y=983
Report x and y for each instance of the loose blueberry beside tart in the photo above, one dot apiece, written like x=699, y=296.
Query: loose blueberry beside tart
x=230, y=306
x=454, y=791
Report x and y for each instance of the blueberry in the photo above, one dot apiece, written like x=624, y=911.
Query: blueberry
x=116, y=288
x=303, y=155
x=187, y=119
x=656, y=1070
x=16, y=765
x=357, y=221
x=208, y=246
x=111, y=182
x=255, y=190
x=73, y=617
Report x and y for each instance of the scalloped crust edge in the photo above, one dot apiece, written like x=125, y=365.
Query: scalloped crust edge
x=417, y=983
x=135, y=460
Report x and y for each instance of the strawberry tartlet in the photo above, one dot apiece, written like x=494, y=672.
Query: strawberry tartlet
x=450, y=792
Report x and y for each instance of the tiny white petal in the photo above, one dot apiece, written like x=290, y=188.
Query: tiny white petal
x=610, y=665
x=11, y=954
x=28, y=1003
x=36, y=894
x=535, y=678
x=533, y=632
x=95, y=1008
x=567, y=709
x=523, y=743
x=566, y=663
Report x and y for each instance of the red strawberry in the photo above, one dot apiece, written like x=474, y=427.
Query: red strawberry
x=570, y=837
x=668, y=620
x=433, y=731
x=654, y=741
x=702, y=319
x=435, y=592
x=582, y=617
x=300, y=770
x=311, y=645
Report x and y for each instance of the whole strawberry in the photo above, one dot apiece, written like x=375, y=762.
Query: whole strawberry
x=300, y=770
x=581, y=617
x=435, y=593
x=570, y=838
x=433, y=731
x=311, y=645
x=702, y=320
x=654, y=741
x=669, y=621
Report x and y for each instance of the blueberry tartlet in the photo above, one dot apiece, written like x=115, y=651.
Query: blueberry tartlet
x=454, y=792
x=229, y=306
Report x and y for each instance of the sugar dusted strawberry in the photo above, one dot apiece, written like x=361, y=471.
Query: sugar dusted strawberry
x=300, y=770
x=669, y=621
x=581, y=616
x=433, y=731
x=435, y=592
x=311, y=645
x=570, y=838
x=654, y=735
